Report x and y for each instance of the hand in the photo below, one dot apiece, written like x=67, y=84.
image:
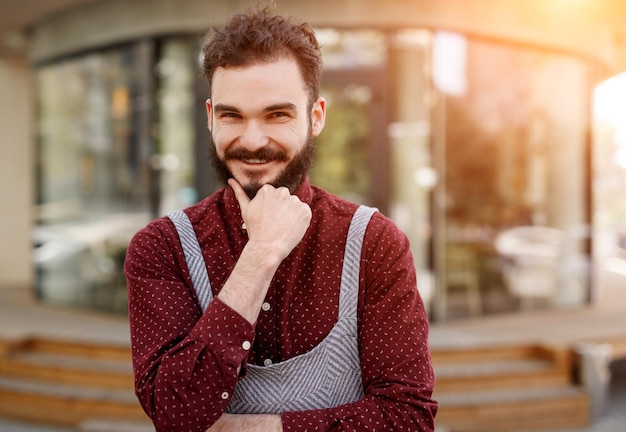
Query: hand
x=276, y=221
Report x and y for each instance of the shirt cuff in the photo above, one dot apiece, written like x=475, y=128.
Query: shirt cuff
x=226, y=332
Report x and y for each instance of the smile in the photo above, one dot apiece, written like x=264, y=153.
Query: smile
x=255, y=161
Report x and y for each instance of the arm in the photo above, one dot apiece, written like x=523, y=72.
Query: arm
x=186, y=365
x=276, y=221
x=247, y=423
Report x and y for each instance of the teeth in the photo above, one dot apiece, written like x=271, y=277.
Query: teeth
x=255, y=161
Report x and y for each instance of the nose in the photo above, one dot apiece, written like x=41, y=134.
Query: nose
x=254, y=136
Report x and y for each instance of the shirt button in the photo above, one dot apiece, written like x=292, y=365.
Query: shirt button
x=225, y=395
x=267, y=362
x=246, y=345
x=266, y=306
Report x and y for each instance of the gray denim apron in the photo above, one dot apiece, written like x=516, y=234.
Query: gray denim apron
x=327, y=376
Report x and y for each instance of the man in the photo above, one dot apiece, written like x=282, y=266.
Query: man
x=272, y=305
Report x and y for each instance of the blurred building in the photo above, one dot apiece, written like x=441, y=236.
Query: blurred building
x=460, y=119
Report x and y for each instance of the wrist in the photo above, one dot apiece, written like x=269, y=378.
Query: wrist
x=264, y=256
x=247, y=285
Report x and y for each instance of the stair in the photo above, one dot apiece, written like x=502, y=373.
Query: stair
x=508, y=388
x=68, y=384
x=89, y=387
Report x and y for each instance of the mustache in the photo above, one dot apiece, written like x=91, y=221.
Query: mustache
x=261, y=154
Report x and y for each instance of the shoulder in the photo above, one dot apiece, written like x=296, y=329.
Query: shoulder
x=339, y=211
x=331, y=205
x=161, y=232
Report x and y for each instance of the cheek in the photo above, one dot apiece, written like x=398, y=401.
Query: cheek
x=292, y=136
x=221, y=138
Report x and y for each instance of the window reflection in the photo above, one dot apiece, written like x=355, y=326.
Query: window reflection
x=93, y=136
x=352, y=49
x=342, y=156
x=514, y=156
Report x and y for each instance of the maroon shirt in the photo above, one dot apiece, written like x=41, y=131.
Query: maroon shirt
x=185, y=362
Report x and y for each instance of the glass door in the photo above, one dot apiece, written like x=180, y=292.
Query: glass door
x=513, y=208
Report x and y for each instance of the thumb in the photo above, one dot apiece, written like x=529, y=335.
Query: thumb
x=240, y=194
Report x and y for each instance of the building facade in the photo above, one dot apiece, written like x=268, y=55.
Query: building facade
x=468, y=123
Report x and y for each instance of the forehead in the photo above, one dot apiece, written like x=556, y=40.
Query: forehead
x=274, y=81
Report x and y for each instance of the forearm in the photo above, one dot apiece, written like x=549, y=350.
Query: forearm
x=247, y=285
x=248, y=423
x=276, y=222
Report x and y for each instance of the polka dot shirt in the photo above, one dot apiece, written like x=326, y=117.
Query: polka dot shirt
x=187, y=363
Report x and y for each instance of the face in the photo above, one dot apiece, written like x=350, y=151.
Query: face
x=262, y=124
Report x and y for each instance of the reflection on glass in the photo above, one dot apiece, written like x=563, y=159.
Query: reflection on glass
x=413, y=175
x=352, y=49
x=515, y=156
x=93, y=180
x=610, y=173
x=341, y=165
x=176, y=116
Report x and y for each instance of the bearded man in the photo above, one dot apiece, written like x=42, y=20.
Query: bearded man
x=273, y=305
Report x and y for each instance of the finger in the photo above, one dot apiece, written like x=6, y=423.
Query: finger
x=240, y=194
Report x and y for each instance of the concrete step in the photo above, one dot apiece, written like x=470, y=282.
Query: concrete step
x=80, y=349
x=485, y=388
x=508, y=388
x=73, y=363
x=520, y=409
x=65, y=405
x=66, y=369
x=467, y=376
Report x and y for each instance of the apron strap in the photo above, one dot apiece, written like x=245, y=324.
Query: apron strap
x=193, y=257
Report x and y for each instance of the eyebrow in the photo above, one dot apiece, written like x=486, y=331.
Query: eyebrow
x=286, y=106
x=283, y=106
x=224, y=108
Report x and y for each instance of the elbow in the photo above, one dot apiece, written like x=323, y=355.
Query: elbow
x=171, y=411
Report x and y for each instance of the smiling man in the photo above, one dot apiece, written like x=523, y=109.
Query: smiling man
x=273, y=305
x=264, y=135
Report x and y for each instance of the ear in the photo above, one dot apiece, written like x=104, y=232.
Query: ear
x=209, y=116
x=318, y=116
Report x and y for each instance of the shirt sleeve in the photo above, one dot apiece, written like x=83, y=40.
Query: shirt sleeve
x=186, y=363
x=396, y=365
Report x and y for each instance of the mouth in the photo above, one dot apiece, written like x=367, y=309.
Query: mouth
x=255, y=161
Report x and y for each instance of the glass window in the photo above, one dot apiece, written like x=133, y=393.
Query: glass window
x=174, y=153
x=341, y=160
x=352, y=49
x=513, y=153
x=413, y=174
x=354, y=64
x=610, y=177
x=94, y=180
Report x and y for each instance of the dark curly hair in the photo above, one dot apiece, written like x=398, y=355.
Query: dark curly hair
x=261, y=35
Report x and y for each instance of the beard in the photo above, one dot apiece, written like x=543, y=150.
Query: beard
x=291, y=177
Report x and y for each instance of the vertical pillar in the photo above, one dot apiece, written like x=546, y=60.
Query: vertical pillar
x=16, y=174
x=413, y=174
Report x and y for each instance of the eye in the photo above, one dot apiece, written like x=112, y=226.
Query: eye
x=280, y=115
x=228, y=116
